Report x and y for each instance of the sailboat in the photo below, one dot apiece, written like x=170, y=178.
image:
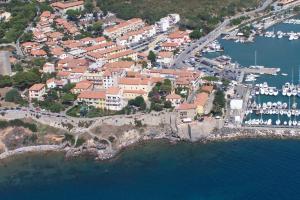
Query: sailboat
x=278, y=121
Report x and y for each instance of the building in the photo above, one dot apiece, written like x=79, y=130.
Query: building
x=186, y=110
x=135, y=84
x=114, y=99
x=200, y=102
x=63, y=7
x=82, y=86
x=175, y=99
x=284, y=2
x=5, y=66
x=37, y=91
x=48, y=68
x=123, y=28
x=165, y=58
x=93, y=98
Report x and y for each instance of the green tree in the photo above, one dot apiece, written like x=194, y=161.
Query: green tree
x=68, y=98
x=138, y=102
x=89, y=6
x=152, y=57
x=195, y=34
x=73, y=15
x=13, y=96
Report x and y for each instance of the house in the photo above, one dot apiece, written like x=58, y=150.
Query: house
x=186, y=110
x=48, y=68
x=114, y=99
x=179, y=37
x=37, y=91
x=63, y=7
x=175, y=99
x=165, y=58
x=38, y=53
x=82, y=86
x=200, y=102
x=169, y=46
x=93, y=98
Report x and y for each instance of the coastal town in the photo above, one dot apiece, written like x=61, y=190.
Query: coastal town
x=78, y=77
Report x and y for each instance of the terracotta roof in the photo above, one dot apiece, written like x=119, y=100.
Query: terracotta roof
x=65, y=5
x=38, y=52
x=169, y=44
x=165, y=54
x=178, y=34
x=63, y=73
x=124, y=24
x=173, y=96
x=201, y=99
x=113, y=90
x=134, y=81
x=141, y=92
x=121, y=54
x=186, y=106
x=83, y=85
x=92, y=95
x=37, y=87
x=120, y=64
x=207, y=88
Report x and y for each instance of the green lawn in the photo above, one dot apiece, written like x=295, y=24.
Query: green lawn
x=195, y=13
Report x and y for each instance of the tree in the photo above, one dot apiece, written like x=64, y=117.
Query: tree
x=89, y=6
x=138, y=102
x=73, y=15
x=195, y=34
x=97, y=28
x=68, y=98
x=13, y=96
x=168, y=104
x=152, y=57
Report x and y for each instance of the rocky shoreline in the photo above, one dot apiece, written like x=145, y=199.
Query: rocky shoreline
x=99, y=153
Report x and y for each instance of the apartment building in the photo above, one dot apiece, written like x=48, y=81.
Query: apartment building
x=37, y=91
x=123, y=28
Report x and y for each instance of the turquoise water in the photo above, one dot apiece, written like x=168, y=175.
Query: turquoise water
x=245, y=169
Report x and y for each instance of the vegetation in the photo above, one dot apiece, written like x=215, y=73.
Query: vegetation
x=22, y=14
x=238, y=21
x=19, y=123
x=88, y=111
x=218, y=103
x=14, y=96
x=196, y=34
x=21, y=80
x=152, y=57
x=158, y=95
x=194, y=13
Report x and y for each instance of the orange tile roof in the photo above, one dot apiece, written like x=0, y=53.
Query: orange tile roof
x=169, y=44
x=92, y=95
x=173, y=96
x=186, y=106
x=134, y=81
x=83, y=85
x=121, y=54
x=141, y=92
x=201, y=99
x=113, y=90
x=37, y=87
x=165, y=54
x=63, y=73
x=119, y=64
x=65, y=5
x=38, y=52
x=207, y=88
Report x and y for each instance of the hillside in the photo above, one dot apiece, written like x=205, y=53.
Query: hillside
x=194, y=13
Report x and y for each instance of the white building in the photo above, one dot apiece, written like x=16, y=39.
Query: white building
x=37, y=91
x=114, y=99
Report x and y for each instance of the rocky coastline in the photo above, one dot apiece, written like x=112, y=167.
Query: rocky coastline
x=99, y=152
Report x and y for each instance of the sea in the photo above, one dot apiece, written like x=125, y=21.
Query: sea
x=246, y=169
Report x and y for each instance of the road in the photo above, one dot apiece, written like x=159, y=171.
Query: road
x=213, y=35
